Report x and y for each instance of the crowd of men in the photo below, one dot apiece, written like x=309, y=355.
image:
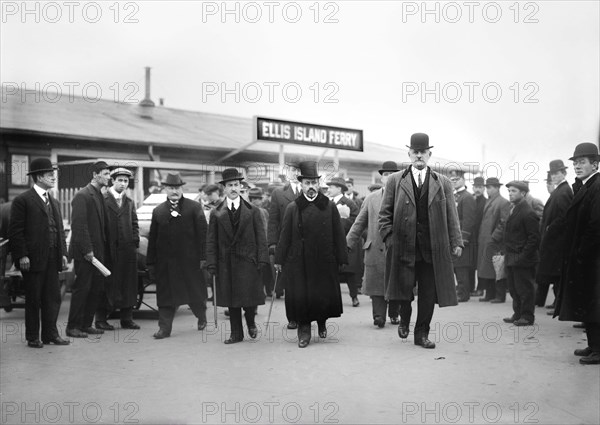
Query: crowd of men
x=418, y=233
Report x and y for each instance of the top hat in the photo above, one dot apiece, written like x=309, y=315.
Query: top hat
x=556, y=165
x=521, y=185
x=230, y=174
x=255, y=193
x=388, y=166
x=419, y=142
x=308, y=170
x=478, y=181
x=173, y=179
x=493, y=181
x=585, y=149
x=120, y=171
x=41, y=165
x=338, y=181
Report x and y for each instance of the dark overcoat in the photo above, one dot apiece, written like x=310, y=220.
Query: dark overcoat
x=467, y=216
x=579, y=289
x=398, y=221
x=176, y=245
x=238, y=255
x=89, y=230
x=491, y=229
x=311, y=248
x=280, y=198
x=123, y=241
x=29, y=233
x=355, y=256
x=522, y=236
x=553, y=234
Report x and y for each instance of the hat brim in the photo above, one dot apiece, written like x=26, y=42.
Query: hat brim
x=344, y=187
x=387, y=171
x=418, y=148
x=43, y=170
x=584, y=155
x=231, y=179
x=557, y=169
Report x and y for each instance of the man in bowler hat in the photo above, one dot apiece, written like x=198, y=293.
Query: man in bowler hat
x=236, y=253
x=579, y=290
x=176, y=254
x=89, y=227
x=37, y=242
x=418, y=223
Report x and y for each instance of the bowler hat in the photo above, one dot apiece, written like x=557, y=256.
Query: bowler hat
x=388, y=166
x=173, y=179
x=419, y=142
x=255, y=193
x=556, y=165
x=478, y=181
x=41, y=165
x=493, y=181
x=521, y=185
x=121, y=172
x=338, y=181
x=308, y=170
x=585, y=149
x=230, y=174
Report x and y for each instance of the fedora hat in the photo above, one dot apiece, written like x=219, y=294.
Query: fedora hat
x=308, y=170
x=585, y=149
x=556, y=165
x=478, y=181
x=230, y=174
x=388, y=166
x=173, y=179
x=41, y=165
x=419, y=142
x=120, y=171
x=521, y=185
x=255, y=193
x=338, y=181
x=493, y=181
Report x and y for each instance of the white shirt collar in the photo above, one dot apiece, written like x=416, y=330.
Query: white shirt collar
x=335, y=199
x=116, y=194
x=40, y=192
x=590, y=176
x=308, y=199
x=235, y=202
x=349, y=195
x=416, y=172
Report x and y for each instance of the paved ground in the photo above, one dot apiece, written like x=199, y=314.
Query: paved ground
x=482, y=371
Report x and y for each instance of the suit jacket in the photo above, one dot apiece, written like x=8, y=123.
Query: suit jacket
x=495, y=213
x=355, y=257
x=467, y=215
x=522, y=236
x=88, y=225
x=280, y=198
x=29, y=233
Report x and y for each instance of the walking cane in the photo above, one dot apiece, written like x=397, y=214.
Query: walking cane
x=272, y=298
x=214, y=289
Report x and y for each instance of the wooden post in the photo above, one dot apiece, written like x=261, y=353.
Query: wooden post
x=138, y=189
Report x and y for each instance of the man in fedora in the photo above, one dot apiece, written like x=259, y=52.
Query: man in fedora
x=418, y=223
x=176, y=253
x=37, y=243
x=521, y=239
x=352, y=273
x=480, y=200
x=236, y=253
x=89, y=240
x=121, y=288
x=309, y=253
x=495, y=213
x=552, y=232
x=579, y=290
x=374, y=259
x=351, y=193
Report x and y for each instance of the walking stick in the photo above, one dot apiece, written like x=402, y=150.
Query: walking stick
x=214, y=289
x=272, y=298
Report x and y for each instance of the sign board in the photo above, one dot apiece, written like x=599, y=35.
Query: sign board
x=273, y=130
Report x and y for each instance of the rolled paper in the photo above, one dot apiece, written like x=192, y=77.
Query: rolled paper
x=101, y=267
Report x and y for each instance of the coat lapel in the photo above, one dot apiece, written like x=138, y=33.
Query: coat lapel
x=111, y=203
x=288, y=193
x=37, y=200
x=406, y=185
x=245, y=218
x=223, y=218
x=91, y=193
x=434, y=187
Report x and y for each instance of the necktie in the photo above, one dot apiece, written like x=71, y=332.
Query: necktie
x=420, y=181
x=46, y=201
x=119, y=201
x=232, y=209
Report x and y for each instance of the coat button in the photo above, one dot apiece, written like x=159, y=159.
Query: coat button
x=406, y=202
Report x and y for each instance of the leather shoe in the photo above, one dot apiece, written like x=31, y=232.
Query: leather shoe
x=509, y=319
x=583, y=352
x=56, y=341
x=424, y=342
x=76, y=333
x=523, y=322
x=292, y=325
x=161, y=334
x=232, y=341
x=36, y=343
x=201, y=324
x=252, y=331
x=303, y=342
x=379, y=321
x=579, y=325
x=105, y=326
x=92, y=331
x=130, y=324
x=403, y=331
x=497, y=301
x=322, y=330
x=593, y=358
x=355, y=302
x=394, y=320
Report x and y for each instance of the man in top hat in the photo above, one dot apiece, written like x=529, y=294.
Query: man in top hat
x=480, y=199
x=495, y=213
x=579, y=291
x=176, y=254
x=310, y=251
x=37, y=243
x=418, y=223
x=352, y=273
x=552, y=232
x=89, y=240
x=521, y=240
x=467, y=212
x=236, y=253
x=374, y=259
x=121, y=288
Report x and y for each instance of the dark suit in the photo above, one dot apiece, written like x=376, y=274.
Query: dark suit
x=30, y=236
x=352, y=273
x=89, y=234
x=479, y=207
x=463, y=266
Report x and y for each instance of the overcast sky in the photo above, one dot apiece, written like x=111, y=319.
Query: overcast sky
x=361, y=65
